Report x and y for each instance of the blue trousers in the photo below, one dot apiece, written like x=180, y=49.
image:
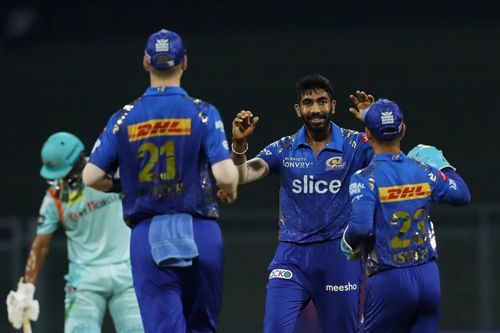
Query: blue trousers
x=403, y=300
x=319, y=272
x=179, y=299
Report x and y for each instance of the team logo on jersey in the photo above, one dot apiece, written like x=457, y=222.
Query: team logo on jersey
x=40, y=220
x=404, y=192
x=296, y=162
x=309, y=185
x=342, y=287
x=335, y=163
x=159, y=127
x=279, y=273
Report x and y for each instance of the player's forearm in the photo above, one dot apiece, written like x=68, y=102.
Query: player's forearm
x=458, y=193
x=95, y=177
x=361, y=223
x=252, y=170
x=225, y=175
x=238, y=150
x=36, y=258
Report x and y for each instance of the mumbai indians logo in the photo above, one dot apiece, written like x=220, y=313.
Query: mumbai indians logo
x=159, y=127
x=387, y=117
x=280, y=274
x=162, y=45
x=404, y=192
x=335, y=163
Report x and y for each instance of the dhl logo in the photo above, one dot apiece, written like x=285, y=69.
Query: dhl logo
x=159, y=127
x=404, y=192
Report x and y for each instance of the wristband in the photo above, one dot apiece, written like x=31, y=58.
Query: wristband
x=237, y=153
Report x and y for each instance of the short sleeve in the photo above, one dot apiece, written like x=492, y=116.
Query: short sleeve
x=48, y=218
x=214, y=141
x=270, y=155
x=105, y=151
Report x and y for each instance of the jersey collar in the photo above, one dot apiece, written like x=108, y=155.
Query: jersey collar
x=152, y=91
x=390, y=157
x=336, y=141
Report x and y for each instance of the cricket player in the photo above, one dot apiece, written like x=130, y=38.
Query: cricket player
x=391, y=227
x=99, y=274
x=165, y=144
x=314, y=165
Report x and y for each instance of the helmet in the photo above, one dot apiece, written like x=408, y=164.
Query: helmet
x=59, y=154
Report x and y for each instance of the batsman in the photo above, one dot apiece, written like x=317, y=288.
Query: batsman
x=99, y=274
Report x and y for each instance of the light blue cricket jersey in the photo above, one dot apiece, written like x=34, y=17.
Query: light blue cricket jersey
x=314, y=190
x=93, y=223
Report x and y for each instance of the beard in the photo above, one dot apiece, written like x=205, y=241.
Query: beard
x=317, y=123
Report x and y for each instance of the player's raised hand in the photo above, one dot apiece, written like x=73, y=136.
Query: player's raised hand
x=243, y=125
x=362, y=101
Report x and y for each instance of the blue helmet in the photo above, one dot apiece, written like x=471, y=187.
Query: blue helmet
x=59, y=154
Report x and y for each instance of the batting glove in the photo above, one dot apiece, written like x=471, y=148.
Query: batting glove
x=21, y=302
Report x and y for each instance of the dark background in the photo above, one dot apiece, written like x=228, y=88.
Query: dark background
x=70, y=65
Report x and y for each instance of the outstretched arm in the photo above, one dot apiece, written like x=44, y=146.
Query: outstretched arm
x=226, y=176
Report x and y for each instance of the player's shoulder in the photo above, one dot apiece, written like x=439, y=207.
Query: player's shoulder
x=427, y=171
x=354, y=139
x=368, y=171
x=418, y=165
x=119, y=117
x=284, y=142
x=49, y=199
x=200, y=104
x=363, y=179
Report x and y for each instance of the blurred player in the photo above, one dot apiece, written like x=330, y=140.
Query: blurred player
x=165, y=143
x=98, y=247
x=314, y=165
x=390, y=223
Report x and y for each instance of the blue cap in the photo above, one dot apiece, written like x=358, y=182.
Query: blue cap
x=59, y=154
x=384, y=119
x=164, y=49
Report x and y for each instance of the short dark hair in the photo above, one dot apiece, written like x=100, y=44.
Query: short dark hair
x=311, y=83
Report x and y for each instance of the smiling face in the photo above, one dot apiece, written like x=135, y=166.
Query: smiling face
x=315, y=108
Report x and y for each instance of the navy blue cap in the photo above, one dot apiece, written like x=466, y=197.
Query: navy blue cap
x=384, y=119
x=164, y=49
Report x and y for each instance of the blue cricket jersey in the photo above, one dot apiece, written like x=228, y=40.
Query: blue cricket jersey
x=390, y=202
x=314, y=199
x=164, y=143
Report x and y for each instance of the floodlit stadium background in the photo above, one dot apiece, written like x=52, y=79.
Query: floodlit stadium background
x=69, y=65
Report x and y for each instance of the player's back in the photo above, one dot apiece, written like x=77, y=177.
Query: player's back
x=163, y=154
x=403, y=231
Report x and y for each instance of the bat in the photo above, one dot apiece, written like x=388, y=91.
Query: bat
x=26, y=324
